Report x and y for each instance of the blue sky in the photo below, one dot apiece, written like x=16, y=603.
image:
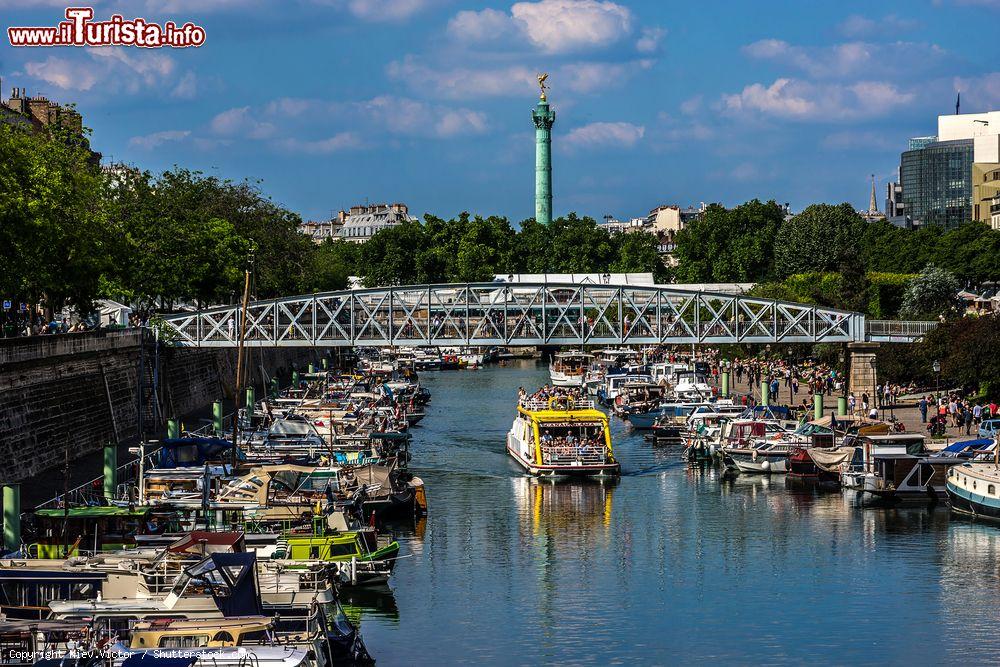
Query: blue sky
x=332, y=102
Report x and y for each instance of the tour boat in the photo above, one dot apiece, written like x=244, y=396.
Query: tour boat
x=972, y=489
x=569, y=369
x=562, y=437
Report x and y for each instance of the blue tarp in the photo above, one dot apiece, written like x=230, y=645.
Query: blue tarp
x=979, y=443
x=192, y=452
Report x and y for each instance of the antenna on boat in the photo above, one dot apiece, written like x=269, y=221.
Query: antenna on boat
x=239, y=348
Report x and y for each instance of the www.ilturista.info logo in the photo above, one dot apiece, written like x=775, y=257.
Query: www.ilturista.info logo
x=79, y=29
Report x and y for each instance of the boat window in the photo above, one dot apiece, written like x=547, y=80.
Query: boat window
x=223, y=637
x=184, y=641
x=991, y=490
x=973, y=484
x=344, y=549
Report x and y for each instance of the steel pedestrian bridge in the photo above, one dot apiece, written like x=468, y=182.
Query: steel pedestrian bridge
x=500, y=313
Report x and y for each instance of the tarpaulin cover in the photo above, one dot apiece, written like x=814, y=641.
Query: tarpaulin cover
x=191, y=452
x=830, y=459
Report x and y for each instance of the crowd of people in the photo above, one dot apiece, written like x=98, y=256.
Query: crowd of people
x=952, y=411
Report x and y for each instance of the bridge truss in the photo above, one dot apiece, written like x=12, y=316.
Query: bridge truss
x=515, y=314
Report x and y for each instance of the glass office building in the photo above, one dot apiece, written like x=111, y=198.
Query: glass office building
x=937, y=183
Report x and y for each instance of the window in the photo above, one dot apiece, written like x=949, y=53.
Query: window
x=184, y=641
x=992, y=490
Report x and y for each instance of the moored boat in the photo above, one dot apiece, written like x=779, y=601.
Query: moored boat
x=562, y=436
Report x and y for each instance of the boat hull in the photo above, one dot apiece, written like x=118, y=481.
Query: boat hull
x=759, y=465
x=582, y=470
x=970, y=504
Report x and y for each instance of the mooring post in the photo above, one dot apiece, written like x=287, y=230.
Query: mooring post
x=817, y=406
x=110, y=470
x=765, y=393
x=11, y=517
x=326, y=364
x=173, y=428
x=312, y=368
x=725, y=384
x=295, y=379
x=274, y=387
x=217, y=418
x=842, y=406
x=251, y=399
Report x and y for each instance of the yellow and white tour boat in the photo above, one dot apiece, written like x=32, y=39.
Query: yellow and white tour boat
x=562, y=436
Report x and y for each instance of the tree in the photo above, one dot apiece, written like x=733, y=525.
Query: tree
x=730, y=245
x=820, y=238
x=931, y=294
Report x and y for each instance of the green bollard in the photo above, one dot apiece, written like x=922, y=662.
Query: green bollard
x=173, y=428
x=817, y=406
x=110, y=471
x=274, y=388
x=12, y=517
x=251, y=398
x=217, y=417
x=312, y=368
x=765, y=393
x=326, y=364
x=842, y=406
x=725, y=384
x=295, y=379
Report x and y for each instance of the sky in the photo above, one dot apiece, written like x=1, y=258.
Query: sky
x=332, y=103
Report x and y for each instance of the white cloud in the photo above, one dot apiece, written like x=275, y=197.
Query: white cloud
x=386, y=10
x=110, y=69
x=243, y=122
x=511, y=80
x=650, y=39
x=187, y=87
x=857, y=25
x=849, y=59
x=552, y=26
x=404, y=116
x=979, y=93
x=338, y=142
x=804, y=100
x=150, y=141
x=692, y=105
x=473, y=26
x=605, y=135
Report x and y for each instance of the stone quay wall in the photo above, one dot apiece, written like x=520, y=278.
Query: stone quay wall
x=76, y=392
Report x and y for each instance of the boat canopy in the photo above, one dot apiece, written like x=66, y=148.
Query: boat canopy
x=95, y=512
x=979, y=443
x=206, y=542
x=191, y=452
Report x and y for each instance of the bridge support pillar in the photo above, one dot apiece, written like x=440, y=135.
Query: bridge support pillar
x=217, y=418
x=11, y=517
x=863, y=374
x=110, y=471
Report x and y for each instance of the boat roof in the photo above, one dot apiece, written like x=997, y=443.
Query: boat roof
x=894, y=436
x=567, y=355
x=582, y=415
x=175, y=624
x=96, y=512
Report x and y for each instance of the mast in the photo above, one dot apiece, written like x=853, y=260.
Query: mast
x=239, y=353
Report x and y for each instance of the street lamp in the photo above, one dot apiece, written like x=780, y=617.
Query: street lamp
x=937, y=371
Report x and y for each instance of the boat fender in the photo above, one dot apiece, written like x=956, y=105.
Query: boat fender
x=766, y=465
x=753, y=456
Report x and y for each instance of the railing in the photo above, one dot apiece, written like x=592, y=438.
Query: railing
x=572, y=454
x=898, y=329
x=559, y=403
x=92, y=493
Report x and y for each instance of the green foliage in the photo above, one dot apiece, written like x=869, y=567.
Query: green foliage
x=821, y=238
x=730, y=245
x=931, y=294
x=885, y=294
x=966, y=349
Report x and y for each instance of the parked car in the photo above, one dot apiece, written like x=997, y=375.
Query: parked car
x=988, y=428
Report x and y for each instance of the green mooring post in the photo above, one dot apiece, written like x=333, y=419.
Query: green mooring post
x=725, y=384
x=842, y=406
x=817, y=406
x=217, y=417
x=326, y=363
x=312, y=368
x=295, y=379
x=274, y=388
x=110, y=470
x=765, y=393
x=251, y=398
x=12, y=517
x=173, y=428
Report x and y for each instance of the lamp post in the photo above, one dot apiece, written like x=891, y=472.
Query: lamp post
x=937, y=371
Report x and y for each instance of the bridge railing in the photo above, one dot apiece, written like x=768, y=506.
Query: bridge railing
x=904, y=329
x=517, y=314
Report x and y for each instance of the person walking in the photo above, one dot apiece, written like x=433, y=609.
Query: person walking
x=923, y=409
x=968, y=420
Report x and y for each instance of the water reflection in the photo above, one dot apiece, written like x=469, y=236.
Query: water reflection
x=673, y=563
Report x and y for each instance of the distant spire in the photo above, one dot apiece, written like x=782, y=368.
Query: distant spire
x=872, y=206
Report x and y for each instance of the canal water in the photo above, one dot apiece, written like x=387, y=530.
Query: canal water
x=670, y=564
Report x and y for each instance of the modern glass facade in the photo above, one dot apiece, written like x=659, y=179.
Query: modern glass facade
x=937, y=183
